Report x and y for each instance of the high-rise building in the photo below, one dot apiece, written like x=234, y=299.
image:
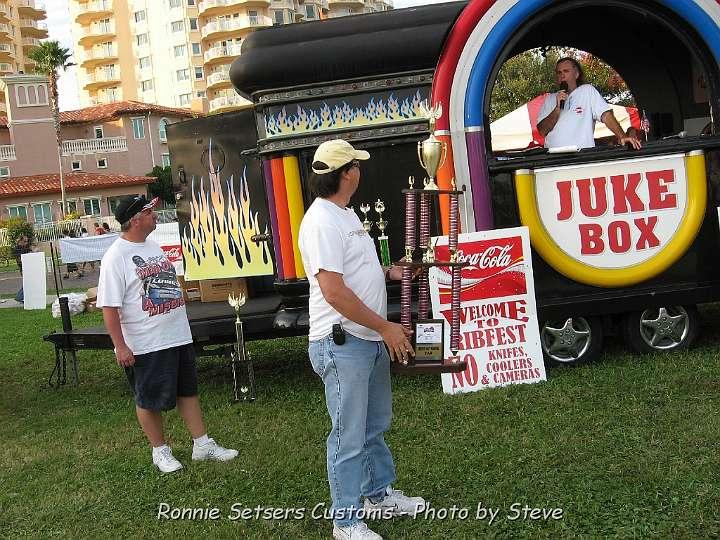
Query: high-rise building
x=21, y=29
x=172, y=52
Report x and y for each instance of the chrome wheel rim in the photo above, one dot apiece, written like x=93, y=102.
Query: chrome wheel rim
x=566, y=341
x=664, y=328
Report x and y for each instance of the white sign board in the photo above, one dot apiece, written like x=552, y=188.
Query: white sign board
x=34, y=280
x=499, y=336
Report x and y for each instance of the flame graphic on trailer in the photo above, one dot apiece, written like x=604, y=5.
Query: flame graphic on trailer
x=217, y=241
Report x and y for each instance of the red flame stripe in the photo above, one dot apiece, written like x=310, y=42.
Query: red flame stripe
x=283, y=217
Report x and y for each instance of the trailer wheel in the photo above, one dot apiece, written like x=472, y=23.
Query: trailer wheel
x=571, y=341
x=661, y=329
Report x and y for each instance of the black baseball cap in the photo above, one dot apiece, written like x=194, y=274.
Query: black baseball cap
x=128, y=207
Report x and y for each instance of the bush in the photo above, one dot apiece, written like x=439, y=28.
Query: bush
x=17, y=227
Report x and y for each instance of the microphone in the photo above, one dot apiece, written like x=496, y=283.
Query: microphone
x=563, y=86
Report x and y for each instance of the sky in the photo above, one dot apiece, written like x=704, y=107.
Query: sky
x=58, y=21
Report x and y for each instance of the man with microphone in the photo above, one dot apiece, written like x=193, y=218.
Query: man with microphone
x=567, y=117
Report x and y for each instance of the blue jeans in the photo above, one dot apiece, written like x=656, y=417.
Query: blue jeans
x=359, y=400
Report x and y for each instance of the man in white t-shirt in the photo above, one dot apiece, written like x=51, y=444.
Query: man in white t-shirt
x=144, y=313
x=348, y=334
x=567, y=117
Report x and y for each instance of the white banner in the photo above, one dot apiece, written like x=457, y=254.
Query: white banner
x=499, y=335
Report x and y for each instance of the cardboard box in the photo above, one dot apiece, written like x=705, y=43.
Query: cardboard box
x=190, y=289
x=217, y=290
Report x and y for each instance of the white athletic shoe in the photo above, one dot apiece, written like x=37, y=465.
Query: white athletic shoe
x=396, y=504
x=356, y=531
x=212, y=451
x=165, y=461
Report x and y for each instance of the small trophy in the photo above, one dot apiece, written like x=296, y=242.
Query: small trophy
x=429, y=255
x=367, y=224
x=431, y=151
x=240, y=354
x=382, y=239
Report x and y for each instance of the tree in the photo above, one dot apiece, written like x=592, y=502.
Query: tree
x=162, y=186
x=48, y=58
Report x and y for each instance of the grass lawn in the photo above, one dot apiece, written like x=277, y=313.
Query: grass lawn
x=627, y=447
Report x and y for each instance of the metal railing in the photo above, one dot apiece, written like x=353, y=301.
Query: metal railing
x=219, y=52
x=218, y=78
x=227, y=101
x=92, y=146
x=7, y=152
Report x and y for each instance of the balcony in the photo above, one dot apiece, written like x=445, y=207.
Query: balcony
x=98, y=56
x=208, y=8
x=222, y=53
x=7, y=52
x=4, y=12
x=30, y=9
x=346, y=3
x=102, y=78
x=216, y=29
x=218, y=79
x=92, y=146
x=30, y=27
x=97, y=33
x=30, y=43
x=98, y=9
x=7, y=152
x=223, y=103
x=5, y=31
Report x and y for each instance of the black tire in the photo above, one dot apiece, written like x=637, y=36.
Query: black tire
x=662, y=329
x=572, y=341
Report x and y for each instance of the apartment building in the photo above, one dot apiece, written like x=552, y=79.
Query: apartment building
x=107, y=152
x=178, y=52
x=21, y=29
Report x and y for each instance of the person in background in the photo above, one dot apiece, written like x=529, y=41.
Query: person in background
x=106, y=227
x=98, y=228
x=22, y=246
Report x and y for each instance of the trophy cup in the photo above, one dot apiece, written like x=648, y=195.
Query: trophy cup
x=240, y=354
x=367, y=224
x=382, y=239
x=431, y=151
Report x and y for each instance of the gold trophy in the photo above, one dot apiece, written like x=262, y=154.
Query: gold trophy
x=239, y=354
x=367, y=224
x=431, y=152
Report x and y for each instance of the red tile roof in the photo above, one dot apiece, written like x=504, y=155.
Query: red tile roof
x=50, y=183
x=110, y=111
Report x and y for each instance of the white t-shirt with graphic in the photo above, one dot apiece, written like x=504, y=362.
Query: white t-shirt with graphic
x=333, y=239
x=576, y=126
x=141, y=281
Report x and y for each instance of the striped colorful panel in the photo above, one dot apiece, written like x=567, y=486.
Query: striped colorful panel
x=272, y=212
x=283, y=217
x=296, y=209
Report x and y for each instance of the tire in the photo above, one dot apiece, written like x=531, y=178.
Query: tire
x=662, y=329
x=572, y=341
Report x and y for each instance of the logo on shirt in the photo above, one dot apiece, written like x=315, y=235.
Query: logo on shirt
x=578, y=110
x=161, y=292
x=358, y=232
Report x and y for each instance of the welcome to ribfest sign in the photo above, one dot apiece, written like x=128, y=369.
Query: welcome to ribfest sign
x=617, y=223
x=499, y=336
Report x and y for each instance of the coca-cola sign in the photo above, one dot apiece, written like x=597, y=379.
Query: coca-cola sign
x=173, y=253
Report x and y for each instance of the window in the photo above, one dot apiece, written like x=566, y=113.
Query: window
x=196, y=49
x=42, y=212
x=17, y=211
x=76, y=165
x=144, y=62
x=141, y=39
x=92, y=206
x=184, y=99
x=200, y=93
x=175, y=3
x=177, y=26
x=193, y=24
x=198, y=72
x=278, y=16
x=191, y=2
x=146, y=85
x=4, y=172
x=102, y=163
x=180, y=50
x=99, y=132
x=166, y=160
x=138, y=127
x=162, y=129
x=139, y=16
x=71, y=205
x=252, y=16
x=309, y=11
x=183, y=74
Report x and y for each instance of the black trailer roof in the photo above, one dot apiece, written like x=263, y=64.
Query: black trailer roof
x=394, y=41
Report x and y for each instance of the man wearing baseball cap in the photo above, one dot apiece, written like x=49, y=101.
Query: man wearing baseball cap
x=348, y=325
x=144, y=312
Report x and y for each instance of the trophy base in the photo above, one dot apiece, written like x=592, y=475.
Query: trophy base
x=449, y=365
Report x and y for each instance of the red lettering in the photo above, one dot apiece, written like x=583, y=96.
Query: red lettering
x=591, y=239
x=625, y=196
x=619, y=236
x=470, y=376
x=646, y=227
x=593, y=202
x=658, y=196
x=565, y=197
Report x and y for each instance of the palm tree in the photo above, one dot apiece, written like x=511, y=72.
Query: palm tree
x=48, y=57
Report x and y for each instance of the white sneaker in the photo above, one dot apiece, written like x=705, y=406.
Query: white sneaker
x=396, y=504
x=212, y=451
x=165, y=461
x=356, y=531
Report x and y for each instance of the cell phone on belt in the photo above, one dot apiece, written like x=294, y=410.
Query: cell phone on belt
x=338, y=334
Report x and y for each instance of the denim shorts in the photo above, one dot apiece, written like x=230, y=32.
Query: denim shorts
x=159, y=377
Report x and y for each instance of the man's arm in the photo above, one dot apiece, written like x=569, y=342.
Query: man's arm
x=346, y=302
x=547, y=124
x=123, y=354
x=608, y=118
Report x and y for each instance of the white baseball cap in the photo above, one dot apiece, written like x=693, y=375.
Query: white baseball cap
x=335, y=154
